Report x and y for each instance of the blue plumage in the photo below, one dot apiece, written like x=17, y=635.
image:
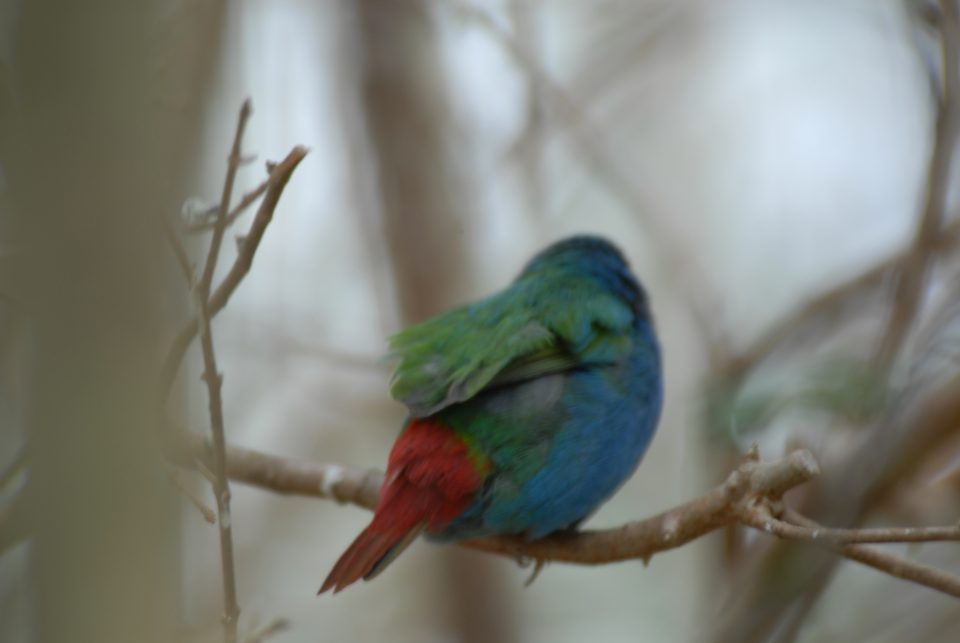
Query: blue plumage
x=561, y=443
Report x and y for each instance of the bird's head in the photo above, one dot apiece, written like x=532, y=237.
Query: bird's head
x=595, y=257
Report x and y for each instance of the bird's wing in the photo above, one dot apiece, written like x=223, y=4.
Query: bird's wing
x=524, y=332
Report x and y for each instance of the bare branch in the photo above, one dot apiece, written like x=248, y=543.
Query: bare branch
x=740, y=499
x=214, y=381
x=903, y=568
x=248, y=199
x=891, y=563
x=761, y=519
x=640, y=539
x=279, y=175
x=286, y=476
x=668, y=530
x=221, y=486
x=220, y=226
x=200, y=291
x=205, y=511
x=913, y=275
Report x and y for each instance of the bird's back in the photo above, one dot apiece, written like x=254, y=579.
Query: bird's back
x=559, y=445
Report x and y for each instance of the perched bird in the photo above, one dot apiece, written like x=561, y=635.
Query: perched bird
x=527, y=409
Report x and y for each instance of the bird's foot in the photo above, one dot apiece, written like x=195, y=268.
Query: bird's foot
x=538, y=565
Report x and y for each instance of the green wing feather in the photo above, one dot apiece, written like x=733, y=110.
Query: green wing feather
x=526, y=331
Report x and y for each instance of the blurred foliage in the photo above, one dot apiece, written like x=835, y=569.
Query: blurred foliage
x=850, y=390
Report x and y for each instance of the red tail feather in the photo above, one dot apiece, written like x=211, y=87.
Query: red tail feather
x=431, y=479
x=362, y=558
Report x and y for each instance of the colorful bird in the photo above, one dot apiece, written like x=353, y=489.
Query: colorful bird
x=528, y=409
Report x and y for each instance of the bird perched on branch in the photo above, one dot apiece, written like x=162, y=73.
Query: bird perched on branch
x=527, y=409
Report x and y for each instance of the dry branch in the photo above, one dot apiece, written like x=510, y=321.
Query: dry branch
x=279, y=175
x=911, y=280
x=200, y=292
x=220, y=225
x=221, y=487
x=248, y=199
x=764, y=521
x=744, y=498
x=890, y=563
x=636, y=540
x=205, y=308
x=670, y=529
x=898, y=441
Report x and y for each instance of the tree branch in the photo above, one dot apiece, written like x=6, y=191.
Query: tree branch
x=207, y=306
x=248, y=199
x=743, y=498
x=200, y=292
x=641, y=539
x=763, y=520
x=891, y=563
x=670, y=529
x=214, y=382
x=279, y=175
x=914, y=272
x=220, y=225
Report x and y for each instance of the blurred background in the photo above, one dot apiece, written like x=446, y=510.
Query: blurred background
x=764, y=164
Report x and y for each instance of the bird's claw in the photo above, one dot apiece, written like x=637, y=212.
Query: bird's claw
x=538, y=565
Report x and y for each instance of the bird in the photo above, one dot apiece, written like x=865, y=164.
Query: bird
x=526, y=410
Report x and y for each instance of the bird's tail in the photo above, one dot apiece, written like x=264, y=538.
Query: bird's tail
x=431, y=479
x=368, y=555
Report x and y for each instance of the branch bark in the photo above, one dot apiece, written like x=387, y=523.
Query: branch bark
x=205, y=308
x=279, y=175
x=635, y=540
x=745, y=497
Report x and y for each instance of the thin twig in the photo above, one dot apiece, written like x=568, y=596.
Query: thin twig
x=207, y=306
x=761, y=519
x=200, y=292
x=279, y=176
x=221, y=486
x=891, y=564
x=911, y=280
x=904, y=568
x=220, y=225
x=214, y=381
x=205, y=511
x=248, y=199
